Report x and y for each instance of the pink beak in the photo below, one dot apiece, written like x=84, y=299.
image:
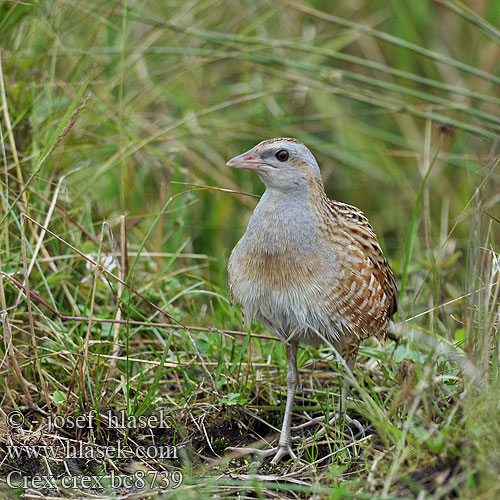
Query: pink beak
x=249, y=160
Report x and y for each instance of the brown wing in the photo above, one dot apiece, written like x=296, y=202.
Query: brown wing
x=357, y=228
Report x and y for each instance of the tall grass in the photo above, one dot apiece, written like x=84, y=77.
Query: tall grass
x=400, y=103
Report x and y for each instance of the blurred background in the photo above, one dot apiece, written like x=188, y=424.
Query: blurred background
x=180, y=87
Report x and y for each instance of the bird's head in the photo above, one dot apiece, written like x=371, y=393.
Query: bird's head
x=283, y=164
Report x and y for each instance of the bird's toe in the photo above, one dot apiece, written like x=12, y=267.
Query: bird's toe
x=282, y=451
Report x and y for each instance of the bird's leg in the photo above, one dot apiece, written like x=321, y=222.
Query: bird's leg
x=342, y=407
x=284, y=444
x=351, y=360
x=292, y=379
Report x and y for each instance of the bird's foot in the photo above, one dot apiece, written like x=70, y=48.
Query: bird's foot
x=333, y=421
x=278, y=451
x=281, y=451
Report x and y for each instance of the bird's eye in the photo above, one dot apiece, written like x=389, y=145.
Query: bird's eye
x=282, y=155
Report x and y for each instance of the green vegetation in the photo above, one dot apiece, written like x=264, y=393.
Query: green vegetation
x=110, y=108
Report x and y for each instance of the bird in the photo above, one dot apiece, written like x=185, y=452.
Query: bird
x=310, y=269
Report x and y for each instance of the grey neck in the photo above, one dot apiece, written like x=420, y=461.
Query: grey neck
x=282, y=220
